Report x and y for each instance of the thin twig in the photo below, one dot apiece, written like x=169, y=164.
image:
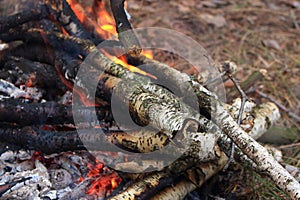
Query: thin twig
x=282, y=107
x=244, y=98
x=289, y=145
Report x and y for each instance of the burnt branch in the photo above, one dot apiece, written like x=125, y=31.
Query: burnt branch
x=67, y=18
x=34, y=14
x=23, y=114
x=41, y=75
x=50, y=39
x=125, y=32
x=32, y=138
x=50, y=141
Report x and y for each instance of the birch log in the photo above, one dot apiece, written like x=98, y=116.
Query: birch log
x=202, y=172
x=210, y=103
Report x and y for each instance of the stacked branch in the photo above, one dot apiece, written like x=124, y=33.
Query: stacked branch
x=172, y=118
x=209, y=102
x=147, y=108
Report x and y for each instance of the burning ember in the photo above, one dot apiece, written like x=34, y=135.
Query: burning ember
x=105, y=180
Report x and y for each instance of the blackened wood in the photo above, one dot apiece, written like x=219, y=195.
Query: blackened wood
x=21, y=113
x=56, y=40
x=67, y=18
x=48, y=142
x=33, y=14
x=32, y=138
x=32, y=51
x=60, y=42
x=126, y=34
x=44, y=76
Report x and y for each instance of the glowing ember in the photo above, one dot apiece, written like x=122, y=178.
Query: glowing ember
x=105, y=180
x=31, y=81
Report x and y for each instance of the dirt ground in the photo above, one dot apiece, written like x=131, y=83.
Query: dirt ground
x=256, y=34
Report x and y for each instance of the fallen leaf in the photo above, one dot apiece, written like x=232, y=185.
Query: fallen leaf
x=218, y=20
x=215, y=3
x=269, y=43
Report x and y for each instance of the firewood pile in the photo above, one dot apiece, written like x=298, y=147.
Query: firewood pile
x=86, y=117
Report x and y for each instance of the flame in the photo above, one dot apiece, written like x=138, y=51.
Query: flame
x=123, y=61
x=98, y=19
x=147, y=53
x=81, y=94
x=105, y=21
x=95, y=18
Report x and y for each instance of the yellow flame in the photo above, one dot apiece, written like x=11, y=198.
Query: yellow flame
x=147, y=53
x=105, y=26
x=127, y=66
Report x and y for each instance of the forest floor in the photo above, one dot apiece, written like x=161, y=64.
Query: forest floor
x=256, y=34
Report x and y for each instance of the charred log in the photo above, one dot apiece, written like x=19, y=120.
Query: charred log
x=35, y=14
x=124, y=29
x=67, y=18
x=35, y=74
x=23, y=114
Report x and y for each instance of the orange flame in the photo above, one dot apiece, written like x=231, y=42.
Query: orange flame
x=105, y=21
x=95, y=18
x=123, y=61
x=147, y=53
x=104, y=25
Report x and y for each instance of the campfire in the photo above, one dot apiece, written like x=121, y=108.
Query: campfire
x=87, y=112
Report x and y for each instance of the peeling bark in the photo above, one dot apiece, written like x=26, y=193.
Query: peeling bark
x=209, y=102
